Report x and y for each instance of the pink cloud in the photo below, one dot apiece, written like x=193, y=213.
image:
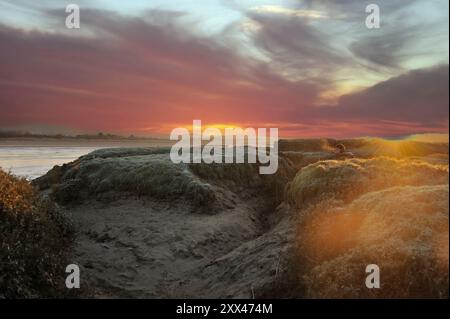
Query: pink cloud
x=136, y=76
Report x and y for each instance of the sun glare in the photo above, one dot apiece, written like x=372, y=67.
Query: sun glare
x=394, y=148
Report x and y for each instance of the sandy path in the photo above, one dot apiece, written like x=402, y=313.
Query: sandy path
x=144, y=249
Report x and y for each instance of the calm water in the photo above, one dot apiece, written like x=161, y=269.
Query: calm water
x=32, y=162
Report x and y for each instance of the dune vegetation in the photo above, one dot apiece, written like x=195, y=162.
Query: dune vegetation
x=347, y=179
x=384, y=211
x=404, y=230
x=34, y=237
x=150, y=228
x=138, y=172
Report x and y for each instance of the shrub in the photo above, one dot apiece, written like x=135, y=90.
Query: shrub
x=404, y=230
x=34, y=236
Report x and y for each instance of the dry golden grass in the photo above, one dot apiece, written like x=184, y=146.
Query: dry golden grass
x=389, y=212
x=16, y=195
x=347, y=179
x=33, y=239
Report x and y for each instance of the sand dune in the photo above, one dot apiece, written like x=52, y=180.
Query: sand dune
x=151, y=228
x=403, y=229
x=347, y=179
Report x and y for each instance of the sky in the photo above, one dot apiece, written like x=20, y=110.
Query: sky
x=308, y=67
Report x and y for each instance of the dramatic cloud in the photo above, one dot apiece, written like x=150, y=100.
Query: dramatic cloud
x=383, y=49
x=419, y=96
x=136, y=75
x=150, y=72
x=296, y=46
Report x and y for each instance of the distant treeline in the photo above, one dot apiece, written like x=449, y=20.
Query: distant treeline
x=100, y=135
